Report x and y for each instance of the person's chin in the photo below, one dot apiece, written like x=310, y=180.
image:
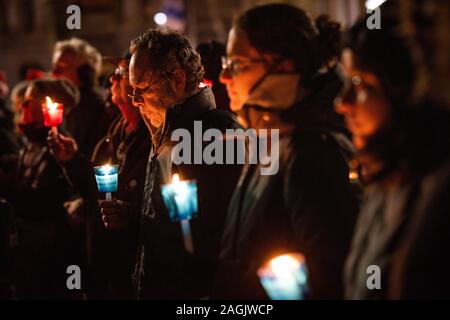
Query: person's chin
x=359, y=142
x=154, y=122
x=235, y=104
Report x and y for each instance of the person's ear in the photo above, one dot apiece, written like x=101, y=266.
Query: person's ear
x=286, y=66
x=179, y=80
x=280, y=65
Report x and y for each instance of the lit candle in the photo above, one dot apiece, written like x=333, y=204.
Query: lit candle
x=53, y=114
x=107, y=177
x=180, y=198
x=285, y=277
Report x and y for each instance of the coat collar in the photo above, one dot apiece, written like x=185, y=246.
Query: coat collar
x=314, y=111
x=181, y=115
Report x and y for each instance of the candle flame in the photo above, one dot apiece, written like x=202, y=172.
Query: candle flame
x=180, y=188
x=284, y=265
x=107, y=168
x=50, y=104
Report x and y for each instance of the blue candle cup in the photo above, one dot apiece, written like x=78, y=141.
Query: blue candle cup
x=180, y=198
x=107, y=178
x=285, y=277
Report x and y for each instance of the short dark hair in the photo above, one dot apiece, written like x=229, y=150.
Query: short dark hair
x=167, y=47
x=287, y=32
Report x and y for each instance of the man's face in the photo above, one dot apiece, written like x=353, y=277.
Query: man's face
x=153, y=93
x=120, y=85
x=30, y=111
x=363, y=101
x=65, y=65
x=249, y=68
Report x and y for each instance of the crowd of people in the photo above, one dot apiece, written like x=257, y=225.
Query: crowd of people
x=363, y=168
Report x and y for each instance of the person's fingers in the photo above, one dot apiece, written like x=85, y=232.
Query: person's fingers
x=113, y=226
x=110, y=203
x=110, y=211
x=53, y=143
x=52, y=135
x=112, y=221
x=110, y=218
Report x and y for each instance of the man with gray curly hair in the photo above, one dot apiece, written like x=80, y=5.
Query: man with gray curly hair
x=78, y=61
x=166, y=75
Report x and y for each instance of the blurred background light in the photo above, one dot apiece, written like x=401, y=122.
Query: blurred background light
x=372, y=4
x=160, y=18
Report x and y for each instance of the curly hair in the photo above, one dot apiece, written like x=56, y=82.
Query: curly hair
x=169, y=49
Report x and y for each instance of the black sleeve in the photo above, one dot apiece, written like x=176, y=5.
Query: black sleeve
x=419, y=269
x=322, y=205
x=80, y=173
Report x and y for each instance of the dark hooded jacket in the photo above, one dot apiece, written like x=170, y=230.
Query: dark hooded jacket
x=308, y=206
x=165, y=270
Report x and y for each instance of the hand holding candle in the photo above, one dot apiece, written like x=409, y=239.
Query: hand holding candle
x=180, y=198
x=53, y=114
x=285, y=277
x=107, y=177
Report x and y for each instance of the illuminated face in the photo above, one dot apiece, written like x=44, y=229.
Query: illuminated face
x=152, y=92
x=65, y=65
x=243, y=68
x=30, y=111
x=363, y=101
x=120, y=85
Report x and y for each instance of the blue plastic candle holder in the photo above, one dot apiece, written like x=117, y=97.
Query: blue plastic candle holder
x=107, y=177
x=181, y=200
x=291, y=285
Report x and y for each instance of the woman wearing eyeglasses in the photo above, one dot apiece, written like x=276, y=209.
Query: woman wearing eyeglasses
x=401, y=243
x=277, y=74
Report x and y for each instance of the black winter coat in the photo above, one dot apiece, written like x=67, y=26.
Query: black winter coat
x=309, y=206
x=166, y=270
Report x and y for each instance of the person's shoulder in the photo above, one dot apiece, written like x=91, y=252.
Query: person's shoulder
x=220, y=119
x=322, y=144
x=92, y=96
x=438, y=178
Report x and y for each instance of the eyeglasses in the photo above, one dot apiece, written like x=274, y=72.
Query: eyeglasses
x=236, y=66
x=120, y=73
x=352, y=87
x=138, y=93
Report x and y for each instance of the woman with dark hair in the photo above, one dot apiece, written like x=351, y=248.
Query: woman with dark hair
x=279, y=76
x=403, y=147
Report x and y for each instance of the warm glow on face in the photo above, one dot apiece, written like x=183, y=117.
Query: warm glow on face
x=50, y=104
x=284, y=265
x=176, y=178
